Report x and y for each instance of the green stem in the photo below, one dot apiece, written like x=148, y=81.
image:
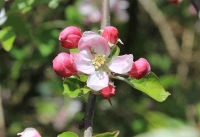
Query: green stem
x=122, y=79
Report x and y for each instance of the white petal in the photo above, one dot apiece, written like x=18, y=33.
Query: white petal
x=86, y=54
x=3, y=16
x=82, y=64
x=121, y=64
x=98, y=80
x=91, y=40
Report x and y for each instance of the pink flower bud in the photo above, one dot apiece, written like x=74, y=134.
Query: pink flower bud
x=70, y=37
x=111, y=34
x=175, y=1
x=63, y=65
x=108, y=92
x=140, y=68
x=29, y=132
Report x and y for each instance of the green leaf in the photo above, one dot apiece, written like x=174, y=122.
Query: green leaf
x=46, y=49
x=68, y=134
x=73, y=15
x=151, y=86
x=108, y=134
x=53, y=4
x=115, y=51
x=85, y=90
x=7, y=37
x=160, y=120
x=19, y=25
x=82, y=77
x=73, y=87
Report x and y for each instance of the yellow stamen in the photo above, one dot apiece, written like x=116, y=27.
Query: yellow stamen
x=98, y=61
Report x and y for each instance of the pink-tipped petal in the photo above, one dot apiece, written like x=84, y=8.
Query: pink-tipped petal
x=83, y=64
x=98, y=80
x=95, y=42
x=121, y=64
x=29, y=132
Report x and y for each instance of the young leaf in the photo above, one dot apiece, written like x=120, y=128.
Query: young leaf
x=72, y=87
x=115, y=51
x=68, y=134
x=82, y=77
x=85, y=90
x=7, y=37
x=108, y=134
x=151, y=86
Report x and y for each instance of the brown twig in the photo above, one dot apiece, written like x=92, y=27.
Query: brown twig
x=2, y=123
x=105, y=14
x=89, y=113
x=163, y=26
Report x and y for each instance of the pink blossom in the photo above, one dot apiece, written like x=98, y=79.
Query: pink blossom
x=90, y=12
x=63, y=65
x=70, y=37
x=29, y=132
x=108, y=92
x=93, y=60
x=140, y=68
x=119, y=8
x=192, y=10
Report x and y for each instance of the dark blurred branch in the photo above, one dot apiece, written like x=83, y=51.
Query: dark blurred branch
x=105, y=14
x=163, y=26
x=2, y=125
x=182, y=54
x=89, y=113
x=186, y=54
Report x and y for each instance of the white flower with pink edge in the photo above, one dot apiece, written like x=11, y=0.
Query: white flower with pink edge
x=93, y=59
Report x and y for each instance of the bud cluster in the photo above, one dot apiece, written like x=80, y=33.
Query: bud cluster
x=93, y=59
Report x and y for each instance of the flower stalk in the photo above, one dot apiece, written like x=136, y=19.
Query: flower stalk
x=89, y=112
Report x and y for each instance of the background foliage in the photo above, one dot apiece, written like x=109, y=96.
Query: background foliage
x=32, y=92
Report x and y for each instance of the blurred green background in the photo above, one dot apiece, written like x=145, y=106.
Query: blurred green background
x=166, y=34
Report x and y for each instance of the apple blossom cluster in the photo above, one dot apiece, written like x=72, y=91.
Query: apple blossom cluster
x=95, y=59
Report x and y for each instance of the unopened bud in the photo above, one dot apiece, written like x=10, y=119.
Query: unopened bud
x=108, y=92
x=63, y=65
x=140, y=68
x=70, y=37
x=111, y=34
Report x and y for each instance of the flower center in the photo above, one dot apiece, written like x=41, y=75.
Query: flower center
x=98, y=61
